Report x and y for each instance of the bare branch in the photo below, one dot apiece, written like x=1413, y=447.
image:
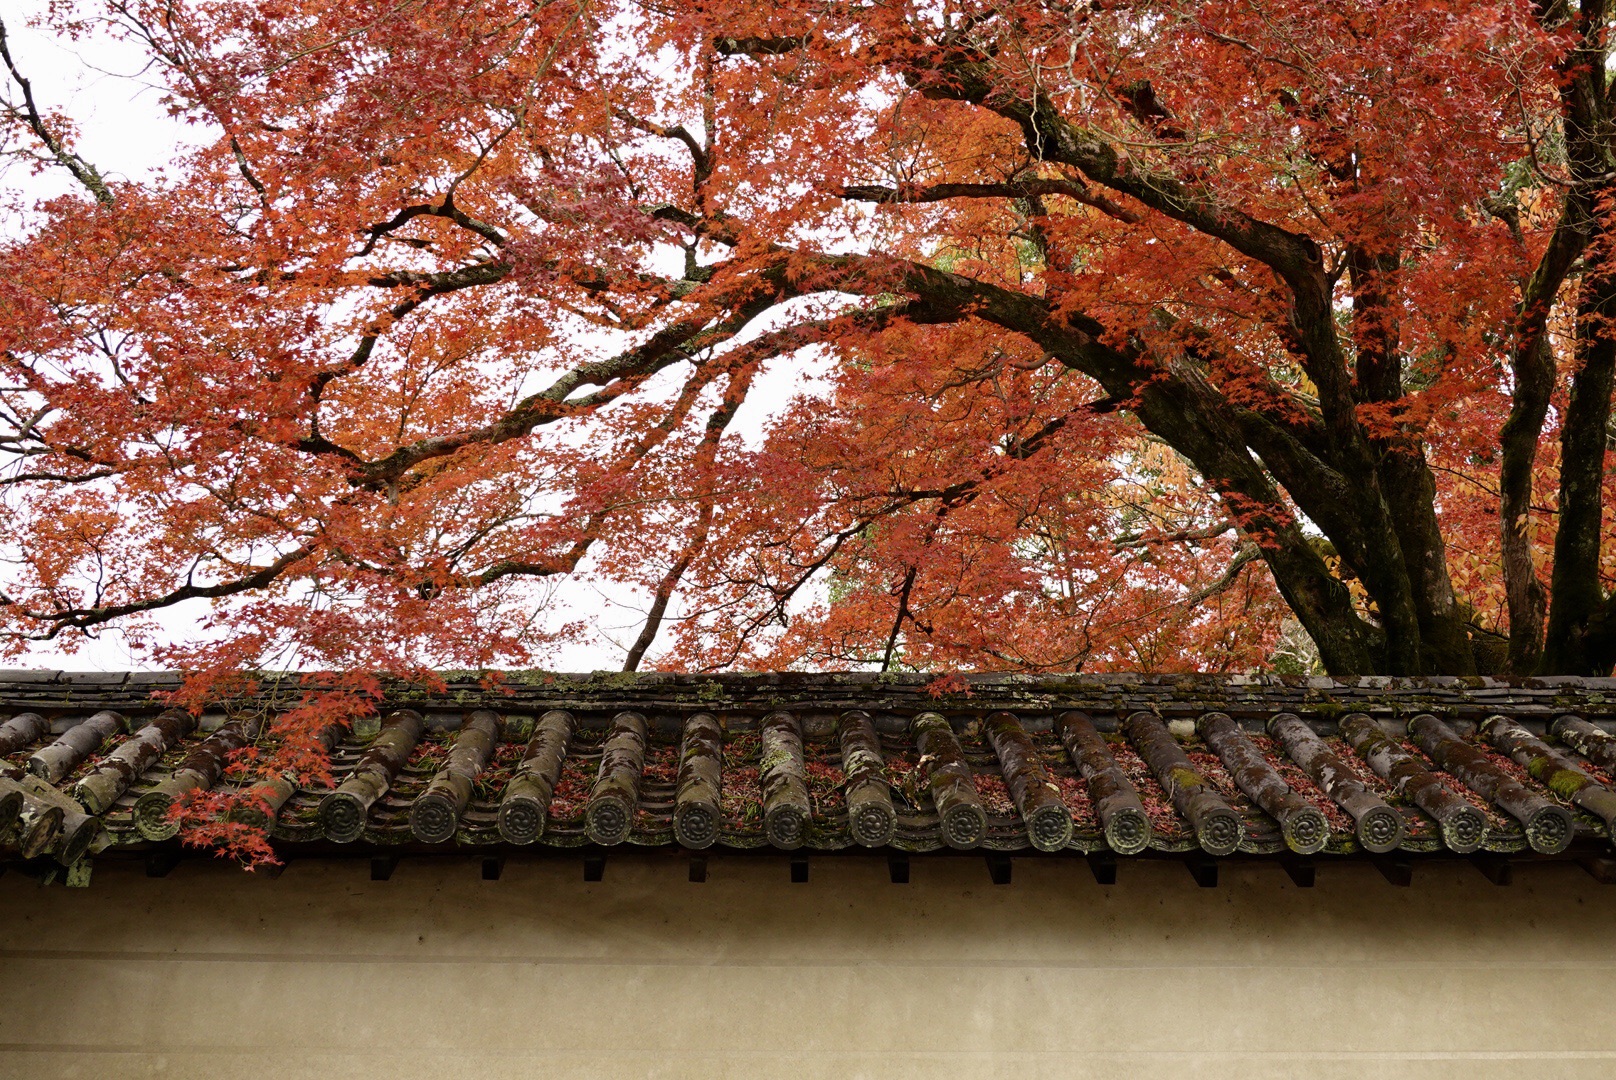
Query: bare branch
x=85, y=173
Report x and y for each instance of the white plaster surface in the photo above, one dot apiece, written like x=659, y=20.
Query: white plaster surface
x=213, y=973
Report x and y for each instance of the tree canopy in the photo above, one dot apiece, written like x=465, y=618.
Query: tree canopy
x=992, y=334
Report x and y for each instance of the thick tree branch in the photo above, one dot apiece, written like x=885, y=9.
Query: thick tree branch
x=1576, y=590
x=1533, y=369
x=1014, y=189
x=84, y=618
x=86, y=174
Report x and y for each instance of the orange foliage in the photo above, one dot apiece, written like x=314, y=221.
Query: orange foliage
x=994, y=334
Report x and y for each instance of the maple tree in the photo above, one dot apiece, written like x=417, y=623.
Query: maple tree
x=1122, y=335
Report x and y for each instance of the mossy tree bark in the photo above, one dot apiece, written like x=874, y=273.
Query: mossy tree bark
x=1305, y=828
x=435, y=813
x=948, y=776
x=696, y=813
x=1037, y=799
x=343, y=811
x=784, y=780
x=22, y=730
x=199, y=771
x=1379, y=827
x=1463, y=825
x=112, y=777
x=525, y=805
x=74, y=746
x=1218, y=828
x=1552, y=769
x=871, y=818
x=616, y=794
x=1123, y=820
x=1548, y=825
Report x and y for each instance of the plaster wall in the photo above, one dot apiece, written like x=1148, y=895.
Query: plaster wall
x=322, y=973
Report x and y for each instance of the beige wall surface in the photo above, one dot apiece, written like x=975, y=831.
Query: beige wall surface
x=323, y=973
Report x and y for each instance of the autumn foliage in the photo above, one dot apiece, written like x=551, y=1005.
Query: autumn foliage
x=1177, y=334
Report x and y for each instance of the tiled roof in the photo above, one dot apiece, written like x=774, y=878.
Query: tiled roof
x=1101, y=765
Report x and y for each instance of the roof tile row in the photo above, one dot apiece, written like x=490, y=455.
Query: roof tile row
x=1171, y=764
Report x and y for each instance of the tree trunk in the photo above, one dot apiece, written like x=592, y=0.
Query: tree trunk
x=1405, y=481
x=73, y=746
x=784, y=780
x=1548, y=826
x=616, y=794
x=1037, y=799
x=1218, y=829
x=948, y=777
x=1122, y=816
x=1444, y=643
x=1215, y=445
x=1576, y=596
x=1532, y=366
x=435, y=813
x=1304, y=826
x=1379, y=827
x=871, y=817
x=696, y=812
x=101, y=788
x=343, y=811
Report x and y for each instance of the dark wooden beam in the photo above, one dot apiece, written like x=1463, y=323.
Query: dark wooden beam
x=1204, y=869
x=898, y=869
x=698, y=868
x=1601, y=869
x=382, y=867
x=1302, y=871
x=799, y=870
x=1103, y=865
x=998, y=869
x=1495, y=868
x=160, y=862
x=1399, y=872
